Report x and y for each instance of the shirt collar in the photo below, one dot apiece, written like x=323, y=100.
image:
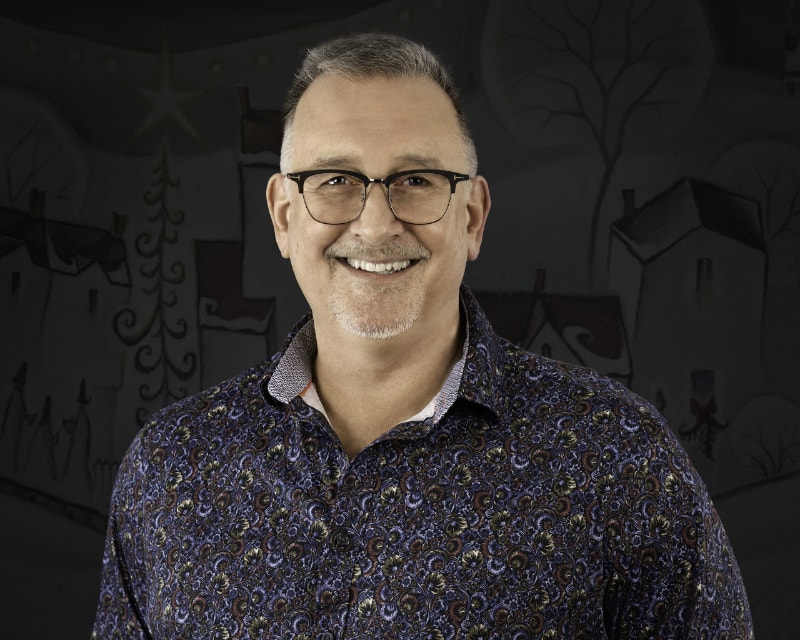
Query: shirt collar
x=470, y=378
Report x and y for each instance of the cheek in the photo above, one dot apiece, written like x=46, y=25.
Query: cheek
x=450, y=255
x=455, y=242
x=307, y=244
x=295, y=245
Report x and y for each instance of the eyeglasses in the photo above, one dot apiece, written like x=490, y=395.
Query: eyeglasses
x=339, y=196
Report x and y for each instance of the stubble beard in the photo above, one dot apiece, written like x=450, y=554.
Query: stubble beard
x=377, y=311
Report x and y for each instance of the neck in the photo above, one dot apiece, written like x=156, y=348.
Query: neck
x=369, y=385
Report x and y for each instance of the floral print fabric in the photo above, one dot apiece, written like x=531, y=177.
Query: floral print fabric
x=546, y=502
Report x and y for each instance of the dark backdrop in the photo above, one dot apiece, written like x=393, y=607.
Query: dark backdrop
x=644, y=162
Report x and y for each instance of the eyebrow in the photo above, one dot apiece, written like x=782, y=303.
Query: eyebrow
x=419, y=160
x=332, y=162
x=414, y=159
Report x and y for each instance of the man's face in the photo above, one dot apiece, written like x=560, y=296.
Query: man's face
x=378, y=126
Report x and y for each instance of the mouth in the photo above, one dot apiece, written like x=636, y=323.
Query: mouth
x=383, y=268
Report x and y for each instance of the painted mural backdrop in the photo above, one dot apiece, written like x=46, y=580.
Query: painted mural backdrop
x=644, y=159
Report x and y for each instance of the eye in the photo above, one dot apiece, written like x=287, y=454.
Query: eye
x=338, y=180
x=416, y=180
x=332, y=181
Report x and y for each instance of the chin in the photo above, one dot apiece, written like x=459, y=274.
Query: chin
x=376, y=319
x=372, y=330
x=377, y=312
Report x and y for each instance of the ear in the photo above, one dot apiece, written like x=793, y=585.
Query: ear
x=478, y=206
x=279, y=205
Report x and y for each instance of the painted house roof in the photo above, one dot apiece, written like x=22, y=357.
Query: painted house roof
x=62, y=246
x=685, y=207
x=595, y=323
x=509, y=313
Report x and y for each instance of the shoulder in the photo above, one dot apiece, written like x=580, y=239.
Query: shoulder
x=181, y=437
x=567, y=409
x=235, y=397
x=561, y=386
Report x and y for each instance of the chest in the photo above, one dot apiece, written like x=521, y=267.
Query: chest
x=414, y=541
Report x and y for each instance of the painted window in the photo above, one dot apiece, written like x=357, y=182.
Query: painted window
x=704, y=282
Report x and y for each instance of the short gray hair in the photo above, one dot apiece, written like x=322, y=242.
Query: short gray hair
x=372, y=54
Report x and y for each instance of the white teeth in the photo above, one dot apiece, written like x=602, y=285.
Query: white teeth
x=378, y=267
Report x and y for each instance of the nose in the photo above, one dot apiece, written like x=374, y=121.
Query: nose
x=377, y=222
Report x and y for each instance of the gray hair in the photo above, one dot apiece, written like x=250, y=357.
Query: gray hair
x=372, y=54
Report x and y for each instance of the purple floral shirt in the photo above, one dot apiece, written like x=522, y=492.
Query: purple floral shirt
x=539, y=500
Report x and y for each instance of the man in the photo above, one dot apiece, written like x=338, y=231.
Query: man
x=397, y=470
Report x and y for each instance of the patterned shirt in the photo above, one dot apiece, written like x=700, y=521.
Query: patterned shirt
x=537, y=500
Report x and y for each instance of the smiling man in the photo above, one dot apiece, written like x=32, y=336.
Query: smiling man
x=398, y=470
x=380, y=264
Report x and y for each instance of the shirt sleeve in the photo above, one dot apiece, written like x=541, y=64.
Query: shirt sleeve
x=670, y=569
x=123, y=599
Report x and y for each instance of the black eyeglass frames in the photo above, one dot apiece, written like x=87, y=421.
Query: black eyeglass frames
x=338, y=196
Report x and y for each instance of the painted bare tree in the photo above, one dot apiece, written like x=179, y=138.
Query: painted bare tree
x=768, y=436
x=604, y=70
x=774, y=454
x=769, y=172
x=38, y=151
x=26, y=160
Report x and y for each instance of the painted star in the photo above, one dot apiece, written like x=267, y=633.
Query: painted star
x=166, y=99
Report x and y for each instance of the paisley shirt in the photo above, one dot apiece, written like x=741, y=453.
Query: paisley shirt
x=538, y=500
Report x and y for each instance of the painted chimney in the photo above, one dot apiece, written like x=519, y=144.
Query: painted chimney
x=539, y=283
x=119, y=222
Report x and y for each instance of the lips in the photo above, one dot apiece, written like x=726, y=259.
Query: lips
x=378, y=267
x=384, y=260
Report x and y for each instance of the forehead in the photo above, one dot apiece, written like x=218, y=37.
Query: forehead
x=375, y=118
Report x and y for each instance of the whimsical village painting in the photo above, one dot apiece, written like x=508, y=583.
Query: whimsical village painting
x=644, y=161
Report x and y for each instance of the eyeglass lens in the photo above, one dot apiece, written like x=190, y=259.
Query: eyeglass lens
x=418, y=198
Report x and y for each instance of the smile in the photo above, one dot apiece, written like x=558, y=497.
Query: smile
x=378, y=267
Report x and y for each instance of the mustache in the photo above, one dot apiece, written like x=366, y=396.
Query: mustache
x=390, y=251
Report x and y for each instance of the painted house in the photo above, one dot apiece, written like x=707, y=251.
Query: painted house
x=259, y=129
x=60, y=285
x=236, y=332
x=266, y=275
x=690, y=269
x=585, y=330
